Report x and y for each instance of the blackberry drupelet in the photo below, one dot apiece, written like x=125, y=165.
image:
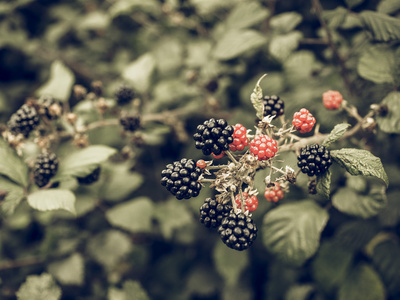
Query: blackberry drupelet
x=314, y=159
x=181, y=179
x=212, y=213
x=273, y=106
x=213, y=136
x=124, y=94
x=91, y=178
x=46, y=166
x=24, y=120
x=130, y=123
x=50, y=107
x=238, y=231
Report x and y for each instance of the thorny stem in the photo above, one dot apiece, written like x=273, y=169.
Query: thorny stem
x=242, y=204
x=231, y=157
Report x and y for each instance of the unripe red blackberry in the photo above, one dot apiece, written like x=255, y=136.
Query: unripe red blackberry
x=240, y=139
x=251, y=202
x=332, y=99
x=124, y=94
x=303, y=121
x=273, y=192
x=237, y=231
x=91, y=178
x=213, y=136
x=263, y=147
x=130, y=123
x=314, y=159
x=24, y=120
x=181, y=178
x=45, y=167
x=273, y=106
x=212, y=213
x=50, y=107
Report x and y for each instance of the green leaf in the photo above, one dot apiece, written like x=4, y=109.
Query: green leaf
x=135, y=215
x=59, y=84
x=285, y=22
x=52, y=199
x=69, y=271
x=109, y=247
x=14, y=195
x=331, y=265
x=354, y=236
x=292, y=231
x=337, y=132
x=377, y=64
x=390, y=123
x=39, y=287
x=383, y=27
x=82, y=162
x=362, y=283
x=335, y=17
x=353, y=3
x=237, y=42
x=139, y=72
x=348, y=201
x=11, y=165
x=324, y=184
x=388, y=6
x=223, y=261
x=172, y=216
x=360, y=162
x=246, y=14
x=281, y=46
x=256, y=99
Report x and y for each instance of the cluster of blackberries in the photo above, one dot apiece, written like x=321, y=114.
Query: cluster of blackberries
x=130, y=123
x=50, y=107
x=124, y=94
x=45, y=167
x=273, y=106
x=181, y=178
x=314, y=159
x=213, y=136
x=24, y=120
x=212, y=212
x=91, y=178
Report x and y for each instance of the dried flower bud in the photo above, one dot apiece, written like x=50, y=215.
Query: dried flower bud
x=79, y=92
x=71, y=118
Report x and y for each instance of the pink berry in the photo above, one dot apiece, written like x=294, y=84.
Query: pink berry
x=332, y=99
x=263, y=147
x=273, y=193
x=303, y=121
x=240, y=139
x=251, y=202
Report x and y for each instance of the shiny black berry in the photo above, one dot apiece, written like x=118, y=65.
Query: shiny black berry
x=130, y=123
x=24, y=120
x=181, y=178
x=124, y=94
x=212, y=212
x=91, y=178
x=273, y=106
x=238, y=231
x=314, y=159
x=213, y=136
x=49, y=107
x=45, y=167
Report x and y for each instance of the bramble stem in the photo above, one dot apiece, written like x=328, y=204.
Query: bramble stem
x=231, y=157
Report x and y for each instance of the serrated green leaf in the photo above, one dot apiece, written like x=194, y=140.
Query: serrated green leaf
x=337, y=132
x=390, y=123
x=139, y=72
x=69, y=271
x=60, y=82
x=246, y=14
x=285, y=22
x=82, y=162
x=388, y=6
x=52, y=199
x=377, y=64
x=360, y=162
x=281, y=46
x=223, y=258
x=382, y=27
x=355, y=235
x=11, y=165
x=324, y=184
x=353, y=3
x=39, y=287
x=135, y=215
x=348, y=201
x=292, y=231
x=362, y=283
x=335, y=17
x=256, y=99
x=236, y=42
x=14, y=196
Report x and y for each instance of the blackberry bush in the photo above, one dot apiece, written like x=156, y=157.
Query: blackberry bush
x=314, y=159
x=24, y=120
x=273, y=106
x=212, y=213
x=45, y=167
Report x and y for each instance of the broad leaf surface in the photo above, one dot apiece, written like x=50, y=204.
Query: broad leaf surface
x=52, y=199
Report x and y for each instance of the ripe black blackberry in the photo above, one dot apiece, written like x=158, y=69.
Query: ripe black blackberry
x=92, y=177
x=314, y=159
x=212, y=213
x=273, y=106
x=130, y=123
x=181, y=179
x=50, y=107
x=24, y=120
x=124, y=94
x=238, y=231
x=45, y=167
x=213, y=136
